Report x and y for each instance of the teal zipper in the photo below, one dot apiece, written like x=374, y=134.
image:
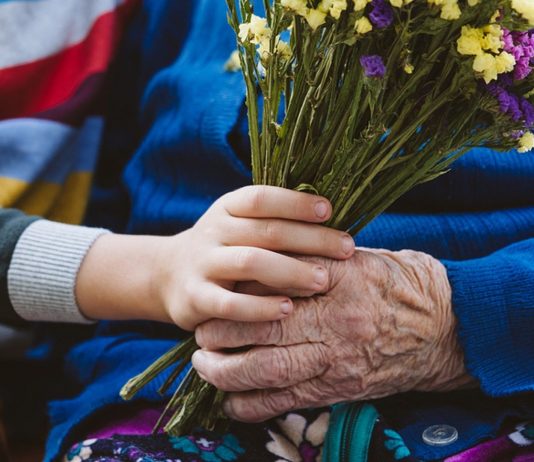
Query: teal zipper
x=349, y=432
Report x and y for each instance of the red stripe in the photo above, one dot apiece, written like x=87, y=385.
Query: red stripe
x=41, y=85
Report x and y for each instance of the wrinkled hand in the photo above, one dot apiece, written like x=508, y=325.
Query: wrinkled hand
x=385, y=326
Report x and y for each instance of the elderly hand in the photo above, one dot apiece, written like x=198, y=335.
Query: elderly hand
x=385, y=326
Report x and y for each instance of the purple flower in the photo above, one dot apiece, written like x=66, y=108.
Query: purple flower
x=521, y=46
x=382, y=14
x=528, y=112
x=373, y=66
x=518, y=108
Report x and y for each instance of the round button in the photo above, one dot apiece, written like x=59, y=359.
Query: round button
x=440, y=435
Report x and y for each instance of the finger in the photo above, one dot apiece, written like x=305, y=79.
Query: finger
x=215, y=302
x=302, y=326
x=274, y=202
x=255, y=288
x=260, y=405
x=262, y=367
x=288, y=236
x=266, y=267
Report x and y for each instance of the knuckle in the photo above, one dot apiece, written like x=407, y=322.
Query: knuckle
x=245, y=259
x=271, y=232
x=216, y=377
x=205, y=335
x=278, y=367
x=226, y=306
x=256, y=197
x=276, y=403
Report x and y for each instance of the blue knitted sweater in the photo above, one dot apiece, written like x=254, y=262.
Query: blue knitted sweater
x=191, y=149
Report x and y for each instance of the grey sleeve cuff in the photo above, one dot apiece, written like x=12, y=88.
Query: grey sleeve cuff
x=42, y=274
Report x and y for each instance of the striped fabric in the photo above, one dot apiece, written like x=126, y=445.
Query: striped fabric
x=54, y=55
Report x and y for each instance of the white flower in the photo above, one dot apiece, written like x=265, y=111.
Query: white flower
x=296, y=435
x=256, y=31
x=233, y=64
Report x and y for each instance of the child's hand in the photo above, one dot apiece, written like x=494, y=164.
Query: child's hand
x=237, y=239
x=190, y=278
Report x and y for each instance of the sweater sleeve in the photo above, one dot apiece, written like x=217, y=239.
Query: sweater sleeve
x=42, y=274
x=12, y=224
x=493, y=299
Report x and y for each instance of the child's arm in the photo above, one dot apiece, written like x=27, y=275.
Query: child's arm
x=190, y=277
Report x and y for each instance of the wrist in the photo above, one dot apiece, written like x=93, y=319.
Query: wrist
x=118, y=279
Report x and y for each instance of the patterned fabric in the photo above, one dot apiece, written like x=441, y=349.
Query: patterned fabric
x=294, y=437
x=517, y=446
x=53, y=59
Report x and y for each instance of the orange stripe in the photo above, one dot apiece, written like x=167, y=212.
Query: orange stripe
x=41, y=85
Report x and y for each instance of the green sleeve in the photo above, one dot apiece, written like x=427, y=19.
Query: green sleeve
x=12, y=225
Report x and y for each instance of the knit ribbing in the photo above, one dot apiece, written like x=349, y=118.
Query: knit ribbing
x=492, y=299
x=43, y=270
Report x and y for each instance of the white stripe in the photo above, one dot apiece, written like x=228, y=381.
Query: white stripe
x=34, y=30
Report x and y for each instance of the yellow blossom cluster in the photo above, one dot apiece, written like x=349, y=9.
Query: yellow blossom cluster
x=363, y=25
x=400, y=3
x=449, y=9
x=525, y=8
x=526, y=142
x=486, y=44
x=316, y=16
x=258, y=32
x=255, y=31
x=359, y=5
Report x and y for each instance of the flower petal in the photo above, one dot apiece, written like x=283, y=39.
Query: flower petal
x=293, y=426
x=281, y=447
x=316, y=432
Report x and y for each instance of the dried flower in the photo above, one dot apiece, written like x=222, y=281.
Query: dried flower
x=373, y=66
x=526, y=142
x=382, y=14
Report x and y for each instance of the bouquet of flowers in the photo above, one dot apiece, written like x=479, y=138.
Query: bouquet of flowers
x=361, y=100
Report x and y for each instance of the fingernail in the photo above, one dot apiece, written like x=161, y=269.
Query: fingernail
x=227, y=408
x=286, y=306
x=321, y=209
x=320, y=276
x=347, y=244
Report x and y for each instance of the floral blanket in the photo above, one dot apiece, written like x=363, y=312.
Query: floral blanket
x=295, y=437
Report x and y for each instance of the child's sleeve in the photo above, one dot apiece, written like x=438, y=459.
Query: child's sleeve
x=39, y=263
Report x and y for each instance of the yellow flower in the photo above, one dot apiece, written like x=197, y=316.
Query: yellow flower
x=505, y=62
x=486, y=64
x=449, y=9
x=315, y=18
x=337, y=7
x=284, y=50
x=473, y=2
x=408, y=68
x=525, y=8
x=363, y=25
x=526, y=142
x=298, y=6
x=361, y=4
x=256, y=31
x=400, y=3
x=492, y=39
x=470, y=42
